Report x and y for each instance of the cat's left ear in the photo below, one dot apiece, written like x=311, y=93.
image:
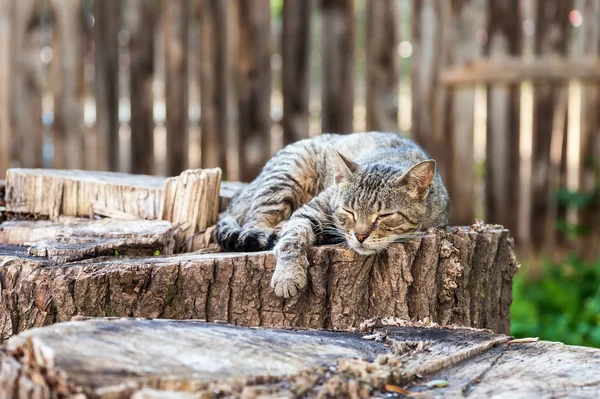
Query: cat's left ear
x=418, y=179
x=343, y=168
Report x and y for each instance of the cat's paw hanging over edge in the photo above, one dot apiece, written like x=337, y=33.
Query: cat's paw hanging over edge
x=289, y=278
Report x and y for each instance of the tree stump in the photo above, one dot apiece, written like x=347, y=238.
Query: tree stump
x=129, y=358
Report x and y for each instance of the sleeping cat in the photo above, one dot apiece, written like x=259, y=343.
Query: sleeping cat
x=366, y=190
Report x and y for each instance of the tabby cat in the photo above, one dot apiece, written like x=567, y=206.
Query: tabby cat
x=366, y=190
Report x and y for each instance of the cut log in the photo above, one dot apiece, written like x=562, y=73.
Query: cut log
x=51, y=193
x=69, y=239
x=458, y=277
x=110, y=358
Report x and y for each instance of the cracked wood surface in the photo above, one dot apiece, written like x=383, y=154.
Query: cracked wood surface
x=122, y=358
x=462, y=276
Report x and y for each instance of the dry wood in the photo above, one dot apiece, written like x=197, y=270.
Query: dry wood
x=70, y=239
x=254, y=86
x=109, y=358
x=5, y=98
x=68, y=83
x=505, y=40
x=514, y=70
x=337, y=102
x=25, y=101
x=106, y=77
x=53, y=193
x=191, y=202
x=142, y=23
x=461, y=277
x=295, y=49
x=382, y=66
x=541, y=370
x=176, y=14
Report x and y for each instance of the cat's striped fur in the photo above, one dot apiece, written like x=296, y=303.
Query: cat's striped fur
x=363, y=189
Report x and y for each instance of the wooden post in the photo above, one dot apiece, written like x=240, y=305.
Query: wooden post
x=177, y=14
x=254, y=86
x=551, y=30
x=106, y=78
x=5, y=98
x=505, y=39
x=68, y=83
x=589, y=161
x=25, y=85
x=337, y=102
x=142, y=24
x=382, y=66
x=216, y=81
x=295, y=47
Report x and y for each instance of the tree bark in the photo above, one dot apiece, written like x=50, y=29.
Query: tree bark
x=382, y=66
x=142, y=25
x=461, y=277
x=177, y=14
x=106, y=78
x=295, y=49
x=337, y=102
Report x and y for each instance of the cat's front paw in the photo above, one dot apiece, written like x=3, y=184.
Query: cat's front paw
x=289, y=278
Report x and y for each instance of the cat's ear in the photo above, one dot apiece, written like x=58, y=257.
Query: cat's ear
x=418, y=179
x=343, y=168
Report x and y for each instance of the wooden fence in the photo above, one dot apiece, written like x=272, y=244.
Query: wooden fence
x=508, y=87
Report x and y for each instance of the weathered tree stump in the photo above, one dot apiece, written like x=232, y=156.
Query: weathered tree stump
x=462, y=276
x=128, y=358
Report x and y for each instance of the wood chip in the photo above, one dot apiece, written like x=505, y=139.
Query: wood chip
x=397, y=389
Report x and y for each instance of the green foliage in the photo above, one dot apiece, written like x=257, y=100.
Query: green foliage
x=561, y=305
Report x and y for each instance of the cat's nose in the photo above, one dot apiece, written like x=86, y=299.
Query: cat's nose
x=361, y=237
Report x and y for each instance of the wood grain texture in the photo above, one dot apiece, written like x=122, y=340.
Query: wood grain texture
x=109, y=358
x=337, y=99
x=461, y=277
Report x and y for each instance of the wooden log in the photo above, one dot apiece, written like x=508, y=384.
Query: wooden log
x=25, y=82
x=107, y=16
x=71, y=239
x=337, y=101
x=5, y=89
x=254, y=86
x=252, y=362
x=505, y=39
x=460, y=277
x=68, y=83
x=382, y=66
x=176, y=14
x=295, y=51
x=142, y=23
x=549, y=102
x=191, y=202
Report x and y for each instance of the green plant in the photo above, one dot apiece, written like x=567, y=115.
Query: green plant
x=563, y=304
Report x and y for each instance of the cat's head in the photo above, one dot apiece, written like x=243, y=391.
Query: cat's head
x=377, y=204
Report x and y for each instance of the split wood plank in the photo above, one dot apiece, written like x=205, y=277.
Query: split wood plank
x=463, y=277
x=110, y=358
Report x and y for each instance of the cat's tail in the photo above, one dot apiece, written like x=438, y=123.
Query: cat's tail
x=232, y=237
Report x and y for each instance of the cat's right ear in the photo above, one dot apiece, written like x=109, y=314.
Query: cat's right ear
x=343, y=168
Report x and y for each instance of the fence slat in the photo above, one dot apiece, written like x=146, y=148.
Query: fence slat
x=25, y=86
x=106, y=44
x=589, y=161
x=68, y=83
x=551, y=38
x=337, y=101
x=382, y=65
x=215, y=82
x=177, y=14
x=505, y=39
x=5, y=71
x=295, y=45
x=254, y=85
x=142, y=24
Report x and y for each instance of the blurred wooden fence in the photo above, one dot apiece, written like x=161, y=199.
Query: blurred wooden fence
x=520, y=76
